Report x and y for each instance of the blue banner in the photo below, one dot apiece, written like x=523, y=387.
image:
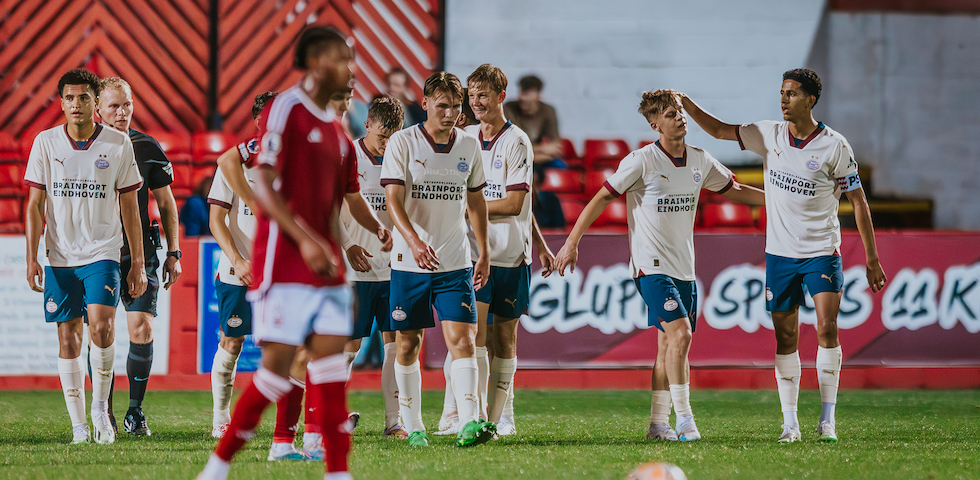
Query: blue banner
x=208, y=327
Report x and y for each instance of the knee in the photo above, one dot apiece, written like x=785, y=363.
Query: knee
x=142, y=332
x=101, y=333
x=465, y=346
x=786, y=336
x=232, y=345
x=70, y=346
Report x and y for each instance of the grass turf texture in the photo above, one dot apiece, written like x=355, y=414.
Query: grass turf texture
x=561, y=434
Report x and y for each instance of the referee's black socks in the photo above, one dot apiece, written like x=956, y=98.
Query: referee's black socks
x=138, y=369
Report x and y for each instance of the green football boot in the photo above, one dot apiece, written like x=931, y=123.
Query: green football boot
x=476, y=432
x=418, y=439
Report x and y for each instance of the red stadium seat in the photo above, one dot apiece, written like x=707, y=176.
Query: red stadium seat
x=760, y=223
x=571, y=207
x=12, y=179
x=208, y=146
x=604, y=152
x=727, y=215
x=11, y=210
x=10, y=148
x=613, y=214
x=568, y=149
x=177, y=146
x=562, y=181
x=594, y=180
x=644, y=143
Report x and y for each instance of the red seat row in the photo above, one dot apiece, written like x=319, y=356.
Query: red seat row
x=597, y=153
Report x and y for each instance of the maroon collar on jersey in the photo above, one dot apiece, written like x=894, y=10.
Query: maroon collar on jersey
x=432, y=141
x=88, y=143
x=488, y=146
x=367, y=152
x=792, y=140
x=678, y=162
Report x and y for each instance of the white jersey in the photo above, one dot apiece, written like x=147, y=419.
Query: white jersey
x=436, y=181
x=662, y=195
x=803, y=186
x=240, y=221
x=369, y=178
x=507, y=160
x=83, y=186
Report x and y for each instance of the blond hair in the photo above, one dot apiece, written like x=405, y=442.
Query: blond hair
x=116, y=83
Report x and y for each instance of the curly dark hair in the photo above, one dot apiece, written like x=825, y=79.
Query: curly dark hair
x=809, y=81
x=80, y=76
x=313, y=40
x=259, y=104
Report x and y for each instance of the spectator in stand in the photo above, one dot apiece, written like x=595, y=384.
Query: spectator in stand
x=545, y=205
x=396, y=84
x=538, y=120
x=195, y=213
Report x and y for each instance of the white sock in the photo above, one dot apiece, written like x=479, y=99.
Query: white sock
x=223, y=369
x=828, y=376
x=482, y=378
x=72, y=373
x=350, y=356
x=788, y=383
x=102, y=360
x=466, y=389
x=680, y=397
x=388, y=386
x=502, y=377
x=449, y=401
x=660, y=407
x=338, y=476
x=509, y=404
x=216, y=468
x=409, y=380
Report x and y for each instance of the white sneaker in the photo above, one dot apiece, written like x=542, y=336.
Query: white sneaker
x=284, y=451
x=313, y=447
x=687, y=431
x=449, y=425
x=827, y=431
x=104, y=433
x=790, y=434
x=80, y=434
x=506, y=425
x=219, y=431
x=661, y=431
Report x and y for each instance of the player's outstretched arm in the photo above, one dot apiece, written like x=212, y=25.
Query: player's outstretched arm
x=476, y=210
x=312, y=247
x=362, y=213
x=231, y=167
x=222, y=234
x=545, y=256
x=168, y=215
x=711, y=124
x=862, y=216
x=746, y=194
x=424, y=254
x=34, y=217
x=509, y=206
x=129, y=207
x=568, y=255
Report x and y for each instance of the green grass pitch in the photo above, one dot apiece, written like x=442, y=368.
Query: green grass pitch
x=561, y=434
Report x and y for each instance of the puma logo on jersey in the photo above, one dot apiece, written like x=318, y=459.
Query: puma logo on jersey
x=112, y=291
x=511, y=302
x=62, y=162
x=665, y=177
x=361, y=176
x=777, y=152
x=464, y=304
x=829, y=279
x=421, y=162
x=315, y=136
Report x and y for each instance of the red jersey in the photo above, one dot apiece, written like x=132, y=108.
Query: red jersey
x=317, y=166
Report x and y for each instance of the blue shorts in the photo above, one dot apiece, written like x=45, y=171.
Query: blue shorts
x=413, y=295
x=507, y=291
x=69, y=290
x=785, y=278
x=370, y=307
x=147, y=302
x=668, y=299
x=234, y=312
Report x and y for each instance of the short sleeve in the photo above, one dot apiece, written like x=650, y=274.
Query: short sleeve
x=519, y=161
x=270, y=133
x=36, y=174
x=478, y=178
x=128, y=177
x=628, y=174
x=752, y=136
x=394, y=168
x=160, y=172
x=845, y=169
x=221, y=193
x=717, y=177
x=249, y=151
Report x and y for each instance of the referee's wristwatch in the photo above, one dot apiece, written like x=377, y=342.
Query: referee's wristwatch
x=176, y=254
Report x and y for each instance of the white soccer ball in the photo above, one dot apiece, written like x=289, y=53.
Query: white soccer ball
x=657, y=471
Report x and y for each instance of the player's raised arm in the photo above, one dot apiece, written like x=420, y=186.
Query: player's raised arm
x=747, y=194
x=711, y=124
x=568, y=255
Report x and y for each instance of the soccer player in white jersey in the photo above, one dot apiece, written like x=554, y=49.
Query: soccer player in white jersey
x=808, y=166
x=433, y=177
x=233, y=226
x=82, y=176
x=507, y=160
x=663, y=183
x=367, y=255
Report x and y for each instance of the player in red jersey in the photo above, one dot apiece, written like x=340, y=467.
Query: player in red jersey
x=298, y=291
